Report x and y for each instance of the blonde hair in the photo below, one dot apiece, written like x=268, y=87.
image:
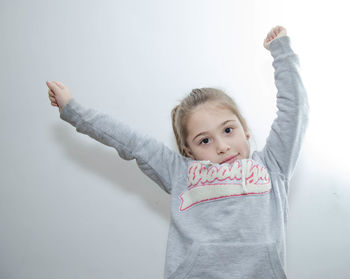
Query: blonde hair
x=182, y=111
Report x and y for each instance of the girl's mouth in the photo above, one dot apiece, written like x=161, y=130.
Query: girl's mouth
x=230, y=159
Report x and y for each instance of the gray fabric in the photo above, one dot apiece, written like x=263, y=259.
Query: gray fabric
x=232, y=222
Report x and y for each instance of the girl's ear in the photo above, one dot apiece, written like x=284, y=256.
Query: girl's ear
x=188, y=152
x=247, y=134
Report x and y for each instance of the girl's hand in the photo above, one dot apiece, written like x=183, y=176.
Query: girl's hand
x=59, y=94
x=275, y=32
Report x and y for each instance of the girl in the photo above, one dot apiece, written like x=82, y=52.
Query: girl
x=229, y=209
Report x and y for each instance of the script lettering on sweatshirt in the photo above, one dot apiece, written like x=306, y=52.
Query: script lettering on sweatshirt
x=207, y=182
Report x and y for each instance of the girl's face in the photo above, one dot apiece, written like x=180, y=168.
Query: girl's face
x=215, y=134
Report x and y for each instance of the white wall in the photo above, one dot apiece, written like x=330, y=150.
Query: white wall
x=71, y=208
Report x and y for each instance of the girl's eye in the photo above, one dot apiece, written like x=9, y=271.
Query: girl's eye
x=228, y=130
x=204, y=141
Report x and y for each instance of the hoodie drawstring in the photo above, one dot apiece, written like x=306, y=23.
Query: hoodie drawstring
x=243, y=167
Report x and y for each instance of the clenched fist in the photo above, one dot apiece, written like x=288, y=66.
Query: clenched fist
x=59, y=94
x=275, y=32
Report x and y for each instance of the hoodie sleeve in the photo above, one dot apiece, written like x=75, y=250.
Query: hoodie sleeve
x=155, y=159
x=284, y=142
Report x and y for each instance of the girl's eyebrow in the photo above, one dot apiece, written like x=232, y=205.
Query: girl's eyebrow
x=222, y=124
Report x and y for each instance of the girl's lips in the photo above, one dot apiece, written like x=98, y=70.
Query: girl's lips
x=231, y=159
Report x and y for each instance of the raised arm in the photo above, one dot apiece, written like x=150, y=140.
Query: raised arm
x=155, y=159
x=284, y=142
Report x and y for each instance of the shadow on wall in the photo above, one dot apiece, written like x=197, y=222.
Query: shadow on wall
x=318, y=227
x=108, y=165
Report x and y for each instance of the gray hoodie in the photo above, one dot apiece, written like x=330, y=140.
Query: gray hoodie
x=227, y=221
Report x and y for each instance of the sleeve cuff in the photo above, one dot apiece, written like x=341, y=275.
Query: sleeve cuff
x=72, y=112
x=280, y=46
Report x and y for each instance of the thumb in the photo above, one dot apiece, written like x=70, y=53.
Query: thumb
x=53, y=86
x=59, y=84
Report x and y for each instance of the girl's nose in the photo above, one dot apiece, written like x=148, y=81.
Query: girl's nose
x=222, y=147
